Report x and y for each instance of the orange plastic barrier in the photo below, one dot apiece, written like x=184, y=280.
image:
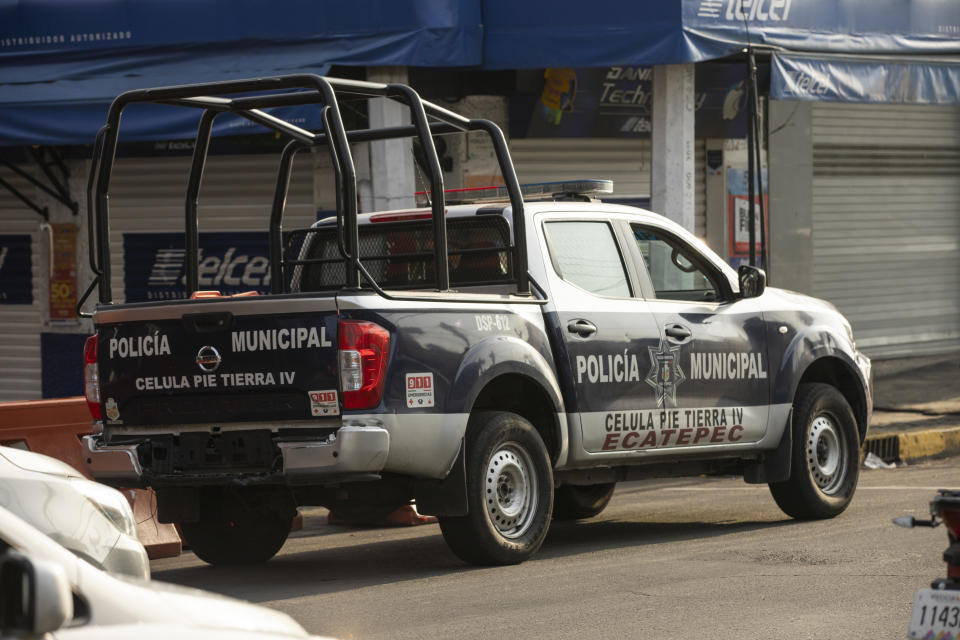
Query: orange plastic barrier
x=161, y=540
x=53, y=427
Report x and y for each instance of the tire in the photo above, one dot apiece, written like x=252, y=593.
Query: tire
x=825, y=462
x=237, y=532
x=574, y=502
x=509, y=492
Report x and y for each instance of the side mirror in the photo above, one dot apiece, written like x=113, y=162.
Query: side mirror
x=753, y=281
x=35, y=596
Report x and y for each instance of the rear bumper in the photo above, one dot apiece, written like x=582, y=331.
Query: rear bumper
x=349, y=451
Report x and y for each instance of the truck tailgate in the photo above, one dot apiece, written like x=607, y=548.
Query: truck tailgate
x=206, y=364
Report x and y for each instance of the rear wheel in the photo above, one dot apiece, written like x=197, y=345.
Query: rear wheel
x=509, y=492
x=239, y=528
x=574, y=502
x=825, y=464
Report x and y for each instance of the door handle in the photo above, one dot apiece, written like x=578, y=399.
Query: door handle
x=582, y=328
x=678, y=332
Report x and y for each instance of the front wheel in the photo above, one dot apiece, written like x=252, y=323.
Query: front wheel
x=825, y=462
x=509, y=492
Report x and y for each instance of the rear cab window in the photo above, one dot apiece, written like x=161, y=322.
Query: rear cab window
x=399, y=255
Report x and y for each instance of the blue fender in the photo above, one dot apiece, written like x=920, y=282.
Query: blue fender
x=501, y=355
x=813, y=344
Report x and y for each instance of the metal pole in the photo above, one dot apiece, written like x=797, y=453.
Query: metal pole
x=191, y=233
x=91, y=182
x=337, y=136
x=751, y=169
x=758, y=144
x=438, y=204
x=276, y=214
x=103, y=200
x=516, y=202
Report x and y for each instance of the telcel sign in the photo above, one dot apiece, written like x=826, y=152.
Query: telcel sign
x=155, y=264
x=740, y=10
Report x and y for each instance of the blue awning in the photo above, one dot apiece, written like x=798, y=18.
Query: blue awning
x=535, y=34
x=62, y=61
x=603, y=33
x=825, y=26
x=865, y=79
x=67, y=50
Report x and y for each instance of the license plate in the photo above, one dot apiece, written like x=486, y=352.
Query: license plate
x=936, y=615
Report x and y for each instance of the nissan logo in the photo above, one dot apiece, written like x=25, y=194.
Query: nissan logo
x=208, y=358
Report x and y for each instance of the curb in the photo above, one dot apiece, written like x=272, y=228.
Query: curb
x=914, y=446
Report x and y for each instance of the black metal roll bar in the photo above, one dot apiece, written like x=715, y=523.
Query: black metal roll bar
x=301, y=89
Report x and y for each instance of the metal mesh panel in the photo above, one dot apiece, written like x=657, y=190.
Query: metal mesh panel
x=400, y=255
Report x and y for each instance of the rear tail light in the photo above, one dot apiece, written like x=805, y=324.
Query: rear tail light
x=364, y=350
x=91, y=380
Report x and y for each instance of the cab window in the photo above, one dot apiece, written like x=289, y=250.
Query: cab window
x=676, y=271
x=586, y=254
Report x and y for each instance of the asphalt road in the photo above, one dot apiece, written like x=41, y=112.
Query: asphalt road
x=688, y=558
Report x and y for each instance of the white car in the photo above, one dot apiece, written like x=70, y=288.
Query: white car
x=45, y=589
x=90, y=519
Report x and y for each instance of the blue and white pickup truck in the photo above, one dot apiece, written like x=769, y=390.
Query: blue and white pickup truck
x=502, y=363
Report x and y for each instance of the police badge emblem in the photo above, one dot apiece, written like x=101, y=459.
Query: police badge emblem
x=665, y=373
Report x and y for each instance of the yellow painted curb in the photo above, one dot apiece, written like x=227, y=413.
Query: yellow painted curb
x=917, y=445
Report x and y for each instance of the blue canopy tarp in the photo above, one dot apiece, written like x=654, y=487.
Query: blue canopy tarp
x=859, y=79
x=603, y=33
x=55, y=50
x=62, y=61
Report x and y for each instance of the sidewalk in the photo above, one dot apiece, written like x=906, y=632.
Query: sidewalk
x=916, y=408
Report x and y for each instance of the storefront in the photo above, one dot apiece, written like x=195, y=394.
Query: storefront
x=882, y=192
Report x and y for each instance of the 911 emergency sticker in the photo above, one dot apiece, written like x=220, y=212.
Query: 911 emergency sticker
x=324, y=403
x=419, y=390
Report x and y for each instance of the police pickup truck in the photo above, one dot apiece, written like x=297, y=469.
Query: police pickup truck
x=501, y=363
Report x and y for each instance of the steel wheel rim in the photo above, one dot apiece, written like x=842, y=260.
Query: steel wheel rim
x=510, y=490
x=826, y=457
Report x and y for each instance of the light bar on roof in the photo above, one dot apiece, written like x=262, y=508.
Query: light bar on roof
x=532, y=191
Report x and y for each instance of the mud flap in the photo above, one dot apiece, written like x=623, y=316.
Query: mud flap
x=775, y=465
x=447, y=497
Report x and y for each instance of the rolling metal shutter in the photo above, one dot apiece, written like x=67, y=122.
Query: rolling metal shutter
x=886, y=223
x=21, y=324
x=147, y=195
x=625, y=161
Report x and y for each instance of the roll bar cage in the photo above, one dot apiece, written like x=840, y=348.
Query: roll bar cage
x=302, y=89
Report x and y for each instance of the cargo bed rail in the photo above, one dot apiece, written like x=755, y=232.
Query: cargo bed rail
x=216, y=98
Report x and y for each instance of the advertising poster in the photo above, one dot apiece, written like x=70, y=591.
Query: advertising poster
x=154, y=264
x=738, y=203
x=63, y=276
x=617, y=102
